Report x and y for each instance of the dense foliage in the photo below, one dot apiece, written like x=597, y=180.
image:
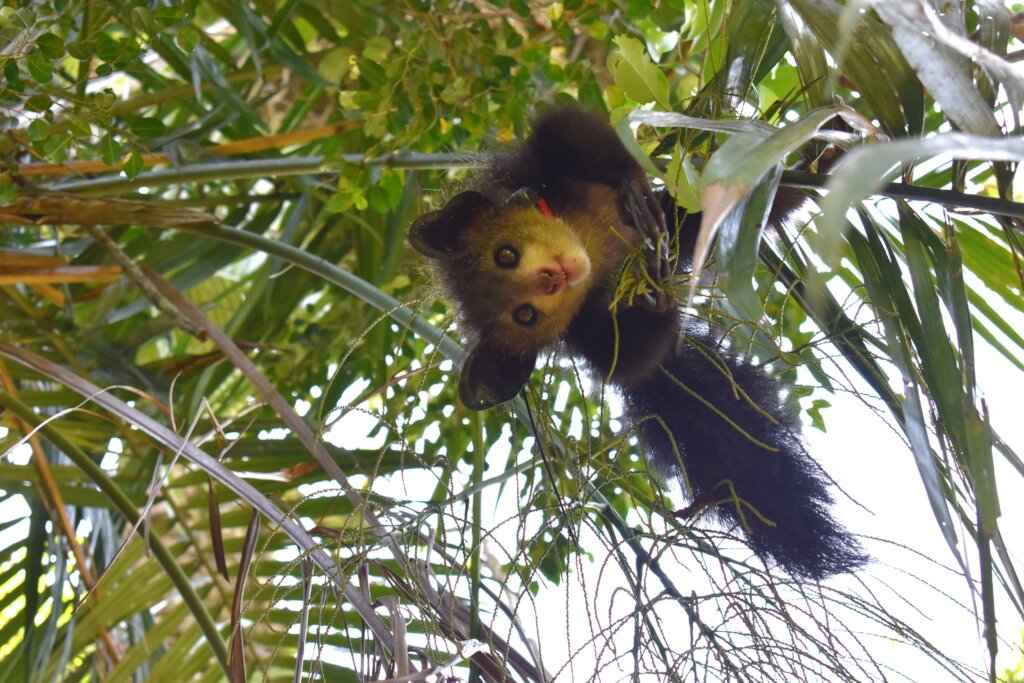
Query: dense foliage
x=231, y=444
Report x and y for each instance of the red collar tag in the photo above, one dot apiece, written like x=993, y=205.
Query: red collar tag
x=542, y=205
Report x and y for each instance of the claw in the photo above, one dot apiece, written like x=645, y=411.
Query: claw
x=657, y=301
x=643, y=211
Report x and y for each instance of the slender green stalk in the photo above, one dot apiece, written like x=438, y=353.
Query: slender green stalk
x=254, y=168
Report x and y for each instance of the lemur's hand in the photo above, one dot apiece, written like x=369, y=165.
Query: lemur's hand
x=642, y=209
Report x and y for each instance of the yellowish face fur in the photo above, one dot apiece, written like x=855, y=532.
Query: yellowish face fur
x=518, y=275
x=528, y=278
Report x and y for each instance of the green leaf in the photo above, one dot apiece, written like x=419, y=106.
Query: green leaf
x=815, y=413
x=38, y=103
x=636, y=74
x=8, y=191
x=938, y=360
x=983, y=471
x=946, y=73
x=744, y=159
x=133, y=165
x=110, y=150
x=336, y=64
x=812, y=67
x=683, y=181
x=57, y=147
x=148, y=127
x=78, y=126
x=372, y=72
x=377, y=49
x=187, y=38
x=738, y=239
x=50, y=45
x=23, y=18
x=142, y=20
x=916, y=429
x=749, y=30
x=12, y=74
x=598, y=30
x=105, y=99
x=167, y=15
x=79, y=49
x=863, y=47
x=40, y=67
x=38, y=130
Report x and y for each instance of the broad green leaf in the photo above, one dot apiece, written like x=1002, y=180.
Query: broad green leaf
x=143, y=20
x=40, y=67
x=78, y=125
x=109, y=149
x=56, y=147
x=683, y=181
x=133, y=165
x=38, y=129
x=23, y=18
x=739, y=237
x=8, y=191
x=749, y=29
x=50, y=45
x=148, y=127
x=636, y=74
x=741, y=163
x=811, y=63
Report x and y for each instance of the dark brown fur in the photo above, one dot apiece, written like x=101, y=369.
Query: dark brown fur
x=733, y=438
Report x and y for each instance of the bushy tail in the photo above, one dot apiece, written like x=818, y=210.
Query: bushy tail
x=734, y=441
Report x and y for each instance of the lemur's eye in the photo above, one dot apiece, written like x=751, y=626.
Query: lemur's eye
x=525, y=315
x=506, y=256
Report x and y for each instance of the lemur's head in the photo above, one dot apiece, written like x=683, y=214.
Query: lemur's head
x=517, y=274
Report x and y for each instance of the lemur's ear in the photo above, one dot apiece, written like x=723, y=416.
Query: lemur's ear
x=439, y=234
x=491, y=375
